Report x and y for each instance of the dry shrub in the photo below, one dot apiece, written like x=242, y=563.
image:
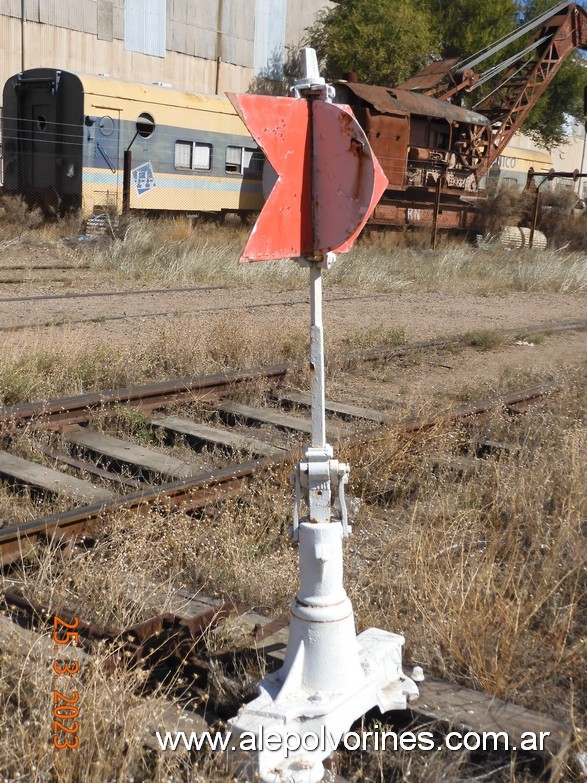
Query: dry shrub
x=482, y=570
x=564, y=227
x=176, y=251
x=485, y=574
x=19, y=221
x=113, y=719
x=16, y=217
x=508, y=206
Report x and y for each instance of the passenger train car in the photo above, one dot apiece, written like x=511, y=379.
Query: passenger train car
x=64, y=136
x=511, y=168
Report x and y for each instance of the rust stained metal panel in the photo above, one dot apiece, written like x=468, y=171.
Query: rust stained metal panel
x=429, y=76
x=347, y=179
x=392, y=101
x=389, y=137
x=454, y=216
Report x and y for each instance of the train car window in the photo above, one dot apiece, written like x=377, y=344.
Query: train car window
x=244, y=160
x=252, y=162
x=145, y=125
x=233, y=160
x=193, y=155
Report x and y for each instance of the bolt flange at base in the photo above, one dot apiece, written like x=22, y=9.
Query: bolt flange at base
x=291, y=730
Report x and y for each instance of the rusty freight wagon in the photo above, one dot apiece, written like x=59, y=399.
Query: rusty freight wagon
x=437, y=154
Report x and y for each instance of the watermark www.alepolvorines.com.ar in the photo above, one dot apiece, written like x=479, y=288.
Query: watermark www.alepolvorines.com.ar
x=379, y=739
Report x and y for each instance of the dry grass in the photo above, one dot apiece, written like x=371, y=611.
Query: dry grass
x=175, y=252
x=60, y=362
x=483, y=572
x=112, y=720
x=18, y=222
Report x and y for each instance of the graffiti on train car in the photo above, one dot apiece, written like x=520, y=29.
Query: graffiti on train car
x=143, y=178
x=506, y=162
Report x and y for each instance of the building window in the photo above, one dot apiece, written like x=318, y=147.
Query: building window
x=145, y=26
x=245, y=161
x=193, y=155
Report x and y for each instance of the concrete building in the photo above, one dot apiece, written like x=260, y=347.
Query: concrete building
x=570, y=156
x=196, y=45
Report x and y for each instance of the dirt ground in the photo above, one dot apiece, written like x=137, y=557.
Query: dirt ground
x=89, y=307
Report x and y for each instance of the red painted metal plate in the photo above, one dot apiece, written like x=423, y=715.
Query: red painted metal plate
x=328, y=180
x=347, y=178
x=280, y=126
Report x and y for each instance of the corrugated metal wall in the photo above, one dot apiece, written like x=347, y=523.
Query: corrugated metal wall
x=208, y=45
x=269, y=38
x=145, y=23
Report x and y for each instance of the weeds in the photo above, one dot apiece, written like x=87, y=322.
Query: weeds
x=483, y=339
x=484, y=572
x=52, y=364
x=375, y=337
x=380, y=262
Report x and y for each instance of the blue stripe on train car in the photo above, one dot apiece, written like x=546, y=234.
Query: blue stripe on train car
x=185, y=183
x=160, y=147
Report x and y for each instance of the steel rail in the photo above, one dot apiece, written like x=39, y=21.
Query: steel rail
x=94, y=294
x=78, y=408
x=190, y=493
x=150, y=395
x=199, y=491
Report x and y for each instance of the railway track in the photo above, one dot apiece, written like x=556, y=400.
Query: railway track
x=178, y=643
x=128, y=475
x=98, y=473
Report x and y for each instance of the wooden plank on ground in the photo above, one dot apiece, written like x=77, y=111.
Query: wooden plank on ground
x=26, y=472
x=37, y=646
x=353, y=411
x=90, y=468
x=277, y=418
x=170, y=717
x=267, y=416
x=130, y=453
x=480, y=712
x=216, y=435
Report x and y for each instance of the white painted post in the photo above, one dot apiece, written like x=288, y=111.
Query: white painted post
x=330, y=676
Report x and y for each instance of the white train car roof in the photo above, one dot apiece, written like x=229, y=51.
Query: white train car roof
x=111, y=88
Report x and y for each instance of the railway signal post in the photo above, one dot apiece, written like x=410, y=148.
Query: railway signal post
x=328, y=182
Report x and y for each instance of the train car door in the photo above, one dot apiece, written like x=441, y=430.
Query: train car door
x=38, y=138
x=106, y=161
